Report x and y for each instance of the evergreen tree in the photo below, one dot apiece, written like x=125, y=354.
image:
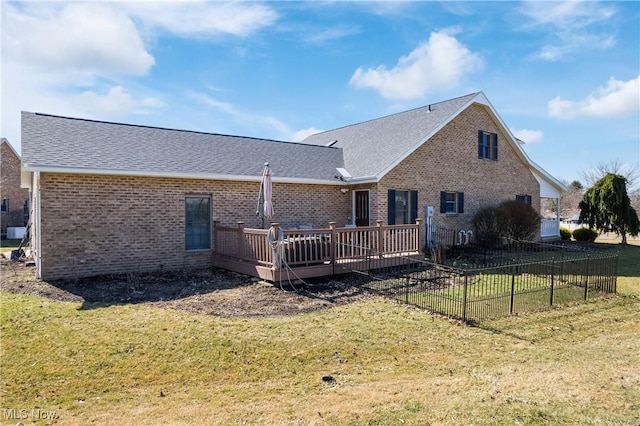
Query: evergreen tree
x=607, y=207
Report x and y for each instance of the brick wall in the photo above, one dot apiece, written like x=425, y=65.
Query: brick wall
x=94, y=225
x=10, y=188
x=449, y=162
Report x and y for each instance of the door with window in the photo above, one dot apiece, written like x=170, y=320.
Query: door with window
x=362, y=208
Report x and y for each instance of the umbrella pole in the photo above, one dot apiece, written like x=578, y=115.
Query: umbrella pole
x=260, y=215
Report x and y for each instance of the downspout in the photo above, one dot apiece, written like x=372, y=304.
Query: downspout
x=36, y=225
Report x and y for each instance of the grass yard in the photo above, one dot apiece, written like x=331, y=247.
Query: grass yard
x=8, y=245
x=388, y=364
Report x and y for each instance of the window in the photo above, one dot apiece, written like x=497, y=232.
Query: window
x=403, y=207
x=451, y=202
x=524, y=199
x=197, y=223
x=5, y=205
x=487, y=145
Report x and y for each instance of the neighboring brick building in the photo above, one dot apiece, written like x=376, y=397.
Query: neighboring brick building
x=113, y=197
x=15, y=211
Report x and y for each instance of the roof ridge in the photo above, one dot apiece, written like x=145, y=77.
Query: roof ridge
x=394, y=114
x=144, y=126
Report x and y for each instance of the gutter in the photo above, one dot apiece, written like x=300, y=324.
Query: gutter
x=206, y=176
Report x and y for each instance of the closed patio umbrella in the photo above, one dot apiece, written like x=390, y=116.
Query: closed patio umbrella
x=267, y=188
x=266, y=191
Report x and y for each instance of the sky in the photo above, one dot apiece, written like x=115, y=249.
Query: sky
x=563, y=76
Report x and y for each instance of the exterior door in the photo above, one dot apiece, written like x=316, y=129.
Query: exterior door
x=362, y=208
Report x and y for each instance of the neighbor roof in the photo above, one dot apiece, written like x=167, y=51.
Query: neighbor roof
x=53, y=143
x=3, y=141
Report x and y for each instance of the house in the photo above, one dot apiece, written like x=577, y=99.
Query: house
x=112, y=197
x=15, y=205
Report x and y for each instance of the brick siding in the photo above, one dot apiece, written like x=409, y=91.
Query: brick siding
x=449, y=162
x=10, y=188
x=93, y=224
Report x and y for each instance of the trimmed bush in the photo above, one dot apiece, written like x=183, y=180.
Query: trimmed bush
x=585, y=234
x=519, y=220
x=565, y=234
x=487, y=227
x=511, y=219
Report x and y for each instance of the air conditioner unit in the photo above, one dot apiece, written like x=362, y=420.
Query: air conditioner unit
x=16, y=232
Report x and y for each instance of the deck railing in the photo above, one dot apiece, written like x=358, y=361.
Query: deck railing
x=549, y=228
x=314, y=246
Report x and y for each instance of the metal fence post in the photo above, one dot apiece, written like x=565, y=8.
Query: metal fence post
x=513, y=290
x=586, y=279
x=615, y=274
x=464, y=297
x=553, y=271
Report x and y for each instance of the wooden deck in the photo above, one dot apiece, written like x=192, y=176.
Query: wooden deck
x=274, y=254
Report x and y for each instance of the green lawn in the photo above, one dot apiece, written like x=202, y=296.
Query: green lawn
x=8, y=245
x=390, y=364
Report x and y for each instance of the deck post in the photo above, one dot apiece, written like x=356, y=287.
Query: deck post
x=380, y=242
x=216, y=224
x=418, y=239
x=240, y=233
x=274, y=232
x=332, y=245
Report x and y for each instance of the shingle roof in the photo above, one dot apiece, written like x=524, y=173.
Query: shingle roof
x=52, y=142
x=366, y=150
x=373, y=146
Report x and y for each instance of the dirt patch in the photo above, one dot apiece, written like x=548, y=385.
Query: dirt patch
x=209, y=292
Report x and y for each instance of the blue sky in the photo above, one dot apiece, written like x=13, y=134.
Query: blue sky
x=564, y=76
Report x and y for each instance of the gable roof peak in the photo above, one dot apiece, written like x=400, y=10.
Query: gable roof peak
x=4, y=140
x=429, y=108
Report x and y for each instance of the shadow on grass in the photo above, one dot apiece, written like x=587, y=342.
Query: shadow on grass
x=133, y=288
x=256, y=297
x=628, y=258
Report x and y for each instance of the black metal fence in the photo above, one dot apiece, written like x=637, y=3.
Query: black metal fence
x=521, y=278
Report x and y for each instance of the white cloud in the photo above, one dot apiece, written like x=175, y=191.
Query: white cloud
x=203, y=19
x=566, y=14
x=332, y=34
x=616, y=99
x=89, y=38
x=268, y=124
x=528, y=136
x=439, y=63
x=213, y=103
x=575, y=25
x=574, y=42
x=301, y=135
x=117, y=102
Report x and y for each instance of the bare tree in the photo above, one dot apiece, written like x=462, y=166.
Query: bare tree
x=635, y=199
x=617, y=167
x=570, y=200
